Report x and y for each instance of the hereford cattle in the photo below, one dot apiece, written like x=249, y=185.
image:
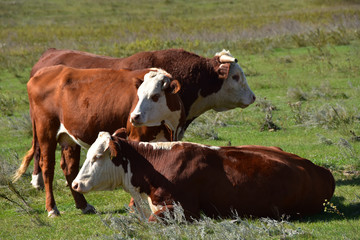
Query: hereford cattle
x=207, y=83
x=251, y=180
x=71, y=106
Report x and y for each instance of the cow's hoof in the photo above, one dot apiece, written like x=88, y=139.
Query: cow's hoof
x=54, y=212
x=89, y=209
x=37, y=181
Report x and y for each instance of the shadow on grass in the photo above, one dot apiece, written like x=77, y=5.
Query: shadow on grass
x=355, y=180
x=116, y=211
x=349, y=211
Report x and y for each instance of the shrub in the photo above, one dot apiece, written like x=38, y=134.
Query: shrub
x=7, y=105
x=174, y=226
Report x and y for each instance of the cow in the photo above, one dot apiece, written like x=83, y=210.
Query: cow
x=71, y=106
x=253, y=181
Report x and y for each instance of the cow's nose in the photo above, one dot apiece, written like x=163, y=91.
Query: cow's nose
x=135, y=117
x=254, y=98
x=75, y=186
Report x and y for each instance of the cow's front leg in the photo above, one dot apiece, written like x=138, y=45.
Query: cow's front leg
x=160, y=213
x=70, y=161
x=47, y=165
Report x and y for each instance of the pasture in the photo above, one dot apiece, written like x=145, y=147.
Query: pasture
x=301, y=59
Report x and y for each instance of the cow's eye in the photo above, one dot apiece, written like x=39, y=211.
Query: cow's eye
x=155, y=97
x=236, y=77
x=95, y=157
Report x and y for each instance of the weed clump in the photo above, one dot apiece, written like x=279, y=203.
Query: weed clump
x=327, y=116
x=174, y=226
x=267, y=107
x=11, y=194
x=7, y=105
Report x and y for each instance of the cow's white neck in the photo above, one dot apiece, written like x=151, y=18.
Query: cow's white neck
x=199, y=106
x=140, y=199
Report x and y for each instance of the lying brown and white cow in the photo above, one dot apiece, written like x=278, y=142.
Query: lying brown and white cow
x=71, y=106
x=251, y=180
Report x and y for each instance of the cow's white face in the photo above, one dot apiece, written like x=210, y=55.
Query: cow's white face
x=154, y=96
x=98, y=172
x=235, y=91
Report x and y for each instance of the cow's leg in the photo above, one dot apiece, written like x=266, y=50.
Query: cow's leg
x=36, y=179
x=47, y=165
x=159, y=214
x=70, y=161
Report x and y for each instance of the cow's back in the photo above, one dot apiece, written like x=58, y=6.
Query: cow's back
x=294, y=184
x=253, y=180
x=75, y=59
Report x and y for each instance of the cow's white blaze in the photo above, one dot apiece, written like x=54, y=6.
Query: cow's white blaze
x=152, y=108
x=235, y=92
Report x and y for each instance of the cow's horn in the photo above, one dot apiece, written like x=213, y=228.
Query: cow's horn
x=166, y=82
x=227, y=59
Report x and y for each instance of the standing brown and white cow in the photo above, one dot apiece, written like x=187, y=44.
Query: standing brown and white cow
x=71, y=106
x=251, y=180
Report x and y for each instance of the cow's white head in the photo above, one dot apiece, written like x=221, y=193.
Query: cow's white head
x=158, y=100
x=235, y=91
x=98, y=172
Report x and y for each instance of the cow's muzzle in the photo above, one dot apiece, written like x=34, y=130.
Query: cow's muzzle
x=79, y=187
x=135, y=119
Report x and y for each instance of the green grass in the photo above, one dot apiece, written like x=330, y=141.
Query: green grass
x=300, y=57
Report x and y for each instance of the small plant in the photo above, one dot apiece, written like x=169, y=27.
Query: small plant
x=297, y=94
x=7, y=105
x=328, y=116
x=324, y=140
x=298, y=115
x=11, y=194
x=267, y=107
x=331, y=208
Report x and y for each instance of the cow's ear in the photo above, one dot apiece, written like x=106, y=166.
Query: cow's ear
x=113, y=149
x=175, y=86
x=223, y=70
x=121, y=133
x=138, y=82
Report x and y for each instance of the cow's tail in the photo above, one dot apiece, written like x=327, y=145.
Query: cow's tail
x=28, y=156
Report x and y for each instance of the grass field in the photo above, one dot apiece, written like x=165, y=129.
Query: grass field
x=301, y=59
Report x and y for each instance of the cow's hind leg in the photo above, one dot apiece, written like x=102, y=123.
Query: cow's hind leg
x=37, y=180
x=70, y=161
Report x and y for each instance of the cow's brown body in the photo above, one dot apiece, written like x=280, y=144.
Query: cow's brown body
x=252, y=180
